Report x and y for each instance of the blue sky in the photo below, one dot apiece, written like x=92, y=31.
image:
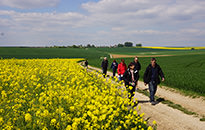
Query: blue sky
x=102, y=22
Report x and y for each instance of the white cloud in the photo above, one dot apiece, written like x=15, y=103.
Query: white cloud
x=29, y=4
x=110, y=21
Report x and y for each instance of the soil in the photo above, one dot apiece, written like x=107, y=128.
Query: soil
x=131, y=56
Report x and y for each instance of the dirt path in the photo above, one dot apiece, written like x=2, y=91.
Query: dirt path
x=131, y=56
x=196, y=105
x=168, y=118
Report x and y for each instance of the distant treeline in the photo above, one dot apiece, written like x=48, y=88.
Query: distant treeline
x=126, y=44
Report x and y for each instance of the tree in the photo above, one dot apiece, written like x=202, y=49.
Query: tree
x=128, y=44
x=120, y=45
x=139, y=45
x=74, y=46
x=88, y=46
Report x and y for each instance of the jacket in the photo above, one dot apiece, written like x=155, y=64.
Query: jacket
x=137, y=65
x=148, y=74
x=127, y=77
x=114, y=65
x=121, y=68
x=104, y=64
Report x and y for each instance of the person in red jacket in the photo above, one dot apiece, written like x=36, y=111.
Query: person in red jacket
x=122, y=67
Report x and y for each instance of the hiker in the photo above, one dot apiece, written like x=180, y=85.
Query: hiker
x=86, y=63
x=122, y=67
x=104, y=66
x=131, y=77
x=151, y=77
x=137, y=66
x=137, y=63
x=114, y=67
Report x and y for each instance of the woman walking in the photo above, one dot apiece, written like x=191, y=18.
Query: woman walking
x=121, y=69
x=114, y=67
x=131, y=78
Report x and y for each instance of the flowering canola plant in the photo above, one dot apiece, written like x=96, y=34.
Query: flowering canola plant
x=60, y=94
x=177, y=48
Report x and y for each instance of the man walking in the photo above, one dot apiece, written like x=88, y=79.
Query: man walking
x=104, y=66
x=137, y=66
x=86, y=64
x=151, y=77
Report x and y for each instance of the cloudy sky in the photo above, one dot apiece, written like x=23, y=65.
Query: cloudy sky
x=102, y=22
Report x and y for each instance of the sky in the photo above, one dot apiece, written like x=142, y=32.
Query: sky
x=102, y=22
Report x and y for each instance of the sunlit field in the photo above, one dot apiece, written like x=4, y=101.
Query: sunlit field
x=60, y=94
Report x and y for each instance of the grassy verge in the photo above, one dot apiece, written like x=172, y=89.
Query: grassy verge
x=169, y=103
x=202, y=119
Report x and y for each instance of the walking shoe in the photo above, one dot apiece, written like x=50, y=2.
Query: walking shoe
x=153, y=103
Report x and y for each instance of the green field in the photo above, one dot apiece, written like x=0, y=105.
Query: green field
x=94, y=56
x=146, y=51
x=184, y=71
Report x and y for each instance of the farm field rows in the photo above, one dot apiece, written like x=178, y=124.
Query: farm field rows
x=60, y=94
x=148, y=51
x=184, y=70
x=186, y=73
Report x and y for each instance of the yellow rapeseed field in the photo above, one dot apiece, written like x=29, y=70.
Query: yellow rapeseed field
x=176, y=48
x=60, y=94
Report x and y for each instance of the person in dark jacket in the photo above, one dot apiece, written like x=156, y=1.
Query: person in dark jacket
x=86, y=63
x=114, y=67
x=104, y=66
x=152, y=78
x=131, y=77
x=137, y=65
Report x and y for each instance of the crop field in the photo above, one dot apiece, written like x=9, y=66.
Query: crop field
x=148, y=51
x=94, y=56
x=184, y=70
x=186, y=73
x=177, y=48
x=60, y=94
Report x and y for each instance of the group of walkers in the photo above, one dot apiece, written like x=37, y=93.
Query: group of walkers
x=130, y=75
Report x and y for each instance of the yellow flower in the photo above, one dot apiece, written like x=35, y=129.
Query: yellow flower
x=53, y=121
x=149, y=128
x=139, y=108
x=154, y=122
x=45, y=128
x=28, y=117
x=141, y=115
x=130, y=87
x=72, y=108
x=85, y=98
x=3, y=93
x=1, y=120
x=68, y=127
